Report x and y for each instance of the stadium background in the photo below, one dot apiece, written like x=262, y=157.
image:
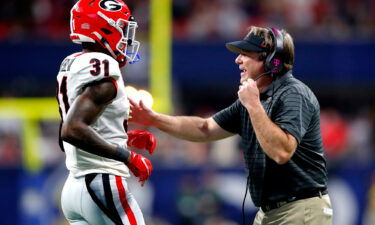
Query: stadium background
x=192, y=183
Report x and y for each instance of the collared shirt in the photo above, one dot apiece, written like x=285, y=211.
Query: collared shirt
x=292, y=106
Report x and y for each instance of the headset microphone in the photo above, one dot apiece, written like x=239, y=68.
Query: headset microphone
x=262, y=75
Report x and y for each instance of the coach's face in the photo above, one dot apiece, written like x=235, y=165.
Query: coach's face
x=250, y=65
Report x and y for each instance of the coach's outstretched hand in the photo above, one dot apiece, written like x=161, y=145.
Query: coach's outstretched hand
x=140, y=166
x=140, y=113
x=142, y=139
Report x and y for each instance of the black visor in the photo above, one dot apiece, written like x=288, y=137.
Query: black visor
x=251, y=43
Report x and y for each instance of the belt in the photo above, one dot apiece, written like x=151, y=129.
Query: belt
x=268, y=206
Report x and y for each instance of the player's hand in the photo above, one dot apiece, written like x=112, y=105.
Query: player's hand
x=140, y=113
x=248, y=94
x=142, y=139
x=140, y=166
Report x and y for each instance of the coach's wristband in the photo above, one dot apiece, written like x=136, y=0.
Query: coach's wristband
x=122, y=154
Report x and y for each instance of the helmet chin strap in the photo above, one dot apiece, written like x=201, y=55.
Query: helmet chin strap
x=105, y=43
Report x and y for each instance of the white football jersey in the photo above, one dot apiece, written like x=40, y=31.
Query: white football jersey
x=76, y=72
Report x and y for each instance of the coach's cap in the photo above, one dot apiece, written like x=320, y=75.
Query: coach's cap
x=251, y=43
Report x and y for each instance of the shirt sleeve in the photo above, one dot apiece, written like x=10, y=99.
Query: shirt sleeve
x=230, y=118
x=294, y=114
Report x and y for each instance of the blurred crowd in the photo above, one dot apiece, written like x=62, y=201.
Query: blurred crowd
x=193, y=20
x=306, y=19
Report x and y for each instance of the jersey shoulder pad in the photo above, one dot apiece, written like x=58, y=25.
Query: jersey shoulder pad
x=92, y=67
x=66, y=64
x=95, y=64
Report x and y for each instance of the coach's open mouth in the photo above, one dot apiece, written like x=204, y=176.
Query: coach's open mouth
x=243, y=71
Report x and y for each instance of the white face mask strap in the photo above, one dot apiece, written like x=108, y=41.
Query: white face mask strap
x=105, y=43
x=110, y=21
x=131, y=29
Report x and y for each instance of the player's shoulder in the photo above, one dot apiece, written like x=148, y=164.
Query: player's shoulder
x=90, y=58
x=93, y=64
x=294, y=87
x=96, y=55
x=67, y=62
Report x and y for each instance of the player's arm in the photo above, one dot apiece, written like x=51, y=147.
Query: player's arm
x=190, y=128
x=84, y=111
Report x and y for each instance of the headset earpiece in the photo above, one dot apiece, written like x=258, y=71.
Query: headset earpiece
x=262, y=56
x=273, y=61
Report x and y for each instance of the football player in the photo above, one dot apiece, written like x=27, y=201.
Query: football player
x=94, y=110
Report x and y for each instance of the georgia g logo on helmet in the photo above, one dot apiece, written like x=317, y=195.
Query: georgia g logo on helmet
x=110, y=5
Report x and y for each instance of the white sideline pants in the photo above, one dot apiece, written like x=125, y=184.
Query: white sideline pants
x=110, y=201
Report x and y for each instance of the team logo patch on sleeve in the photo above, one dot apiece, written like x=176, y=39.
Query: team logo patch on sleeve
x=110, y=5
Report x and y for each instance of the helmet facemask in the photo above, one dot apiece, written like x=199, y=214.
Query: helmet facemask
x=127, y=45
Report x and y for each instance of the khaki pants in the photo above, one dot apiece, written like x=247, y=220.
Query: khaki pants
x=310, y=211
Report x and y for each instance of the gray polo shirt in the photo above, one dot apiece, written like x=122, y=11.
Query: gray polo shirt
x=292, y=106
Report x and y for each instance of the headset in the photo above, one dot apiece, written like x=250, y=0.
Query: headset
x=272, y=65
x=273, y=62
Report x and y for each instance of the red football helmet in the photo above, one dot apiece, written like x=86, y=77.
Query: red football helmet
x=107, y=22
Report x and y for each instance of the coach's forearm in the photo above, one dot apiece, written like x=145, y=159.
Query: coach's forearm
x=273, y=140
x=189, y=128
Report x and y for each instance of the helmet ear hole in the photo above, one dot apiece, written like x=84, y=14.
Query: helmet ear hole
x=106, y=31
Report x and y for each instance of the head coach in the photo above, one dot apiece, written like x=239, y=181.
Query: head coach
x=278, y=119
